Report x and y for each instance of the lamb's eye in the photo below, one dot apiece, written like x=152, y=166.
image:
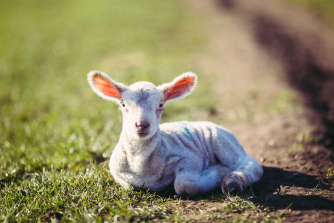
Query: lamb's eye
x=123, y=105
x=161, y=105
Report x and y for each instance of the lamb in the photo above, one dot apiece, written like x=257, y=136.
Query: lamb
x=196, y=157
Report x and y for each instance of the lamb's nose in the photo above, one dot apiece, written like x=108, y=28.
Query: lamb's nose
x=142, y=124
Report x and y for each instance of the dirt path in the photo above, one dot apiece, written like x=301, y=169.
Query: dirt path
x=251, y=75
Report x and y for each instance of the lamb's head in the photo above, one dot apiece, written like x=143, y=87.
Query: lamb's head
x=142, y=102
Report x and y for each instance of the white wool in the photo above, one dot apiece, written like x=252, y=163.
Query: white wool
x=196, y=156
x=196, y=146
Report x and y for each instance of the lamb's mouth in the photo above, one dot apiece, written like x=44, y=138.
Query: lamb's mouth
x=143, y=134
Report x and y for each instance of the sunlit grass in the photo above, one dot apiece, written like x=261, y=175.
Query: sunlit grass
x=49, y=115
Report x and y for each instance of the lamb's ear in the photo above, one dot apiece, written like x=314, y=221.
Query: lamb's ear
x=104, y=86
x=180, y=87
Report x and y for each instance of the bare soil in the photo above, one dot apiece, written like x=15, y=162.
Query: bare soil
x=258, y=51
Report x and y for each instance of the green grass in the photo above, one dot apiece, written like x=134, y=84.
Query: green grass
x=330, y=172
x=49, y=115
x=56, y=134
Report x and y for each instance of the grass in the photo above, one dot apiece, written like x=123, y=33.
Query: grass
x=56, y=134
x=330, y=172
x=49, y=116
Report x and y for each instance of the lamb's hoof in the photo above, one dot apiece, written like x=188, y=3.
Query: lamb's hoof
x=231, y=188
x=186, y=188
x=232, y=183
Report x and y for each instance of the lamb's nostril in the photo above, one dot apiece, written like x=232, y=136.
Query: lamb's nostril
x=146, y=126
x=142, y=124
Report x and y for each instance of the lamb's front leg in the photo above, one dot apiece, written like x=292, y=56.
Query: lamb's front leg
x=192, y=182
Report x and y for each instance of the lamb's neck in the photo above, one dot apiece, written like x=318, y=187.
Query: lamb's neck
x=138, y=147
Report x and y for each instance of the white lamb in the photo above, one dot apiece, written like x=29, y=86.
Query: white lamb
x=196, y=156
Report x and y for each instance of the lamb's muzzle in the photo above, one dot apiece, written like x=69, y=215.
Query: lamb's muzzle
x=142, y=128
x=196, y=156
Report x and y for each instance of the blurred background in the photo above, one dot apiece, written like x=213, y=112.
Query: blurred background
x=47, y=48
x=51, y=121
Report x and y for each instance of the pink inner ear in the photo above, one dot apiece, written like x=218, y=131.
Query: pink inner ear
x=106, y=87
x=179, y=88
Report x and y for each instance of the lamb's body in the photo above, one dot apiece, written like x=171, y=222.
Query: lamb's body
x=195, y=156
x=198, y=151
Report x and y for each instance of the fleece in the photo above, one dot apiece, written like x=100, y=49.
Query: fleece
x=200, y=153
